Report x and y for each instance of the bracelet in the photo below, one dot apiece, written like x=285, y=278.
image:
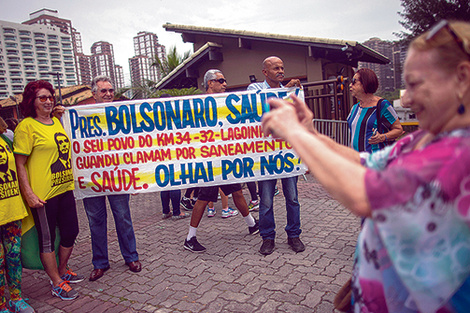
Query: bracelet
x=385, y=137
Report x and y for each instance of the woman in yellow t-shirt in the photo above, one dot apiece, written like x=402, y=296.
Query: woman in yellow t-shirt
x=12, y=211
x=43, y=159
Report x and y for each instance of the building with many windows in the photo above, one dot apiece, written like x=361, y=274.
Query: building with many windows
x=102, y=60
x=385, y=72
x=50, y=17
x=146, y=48
x=118, y=71
x=32, y=52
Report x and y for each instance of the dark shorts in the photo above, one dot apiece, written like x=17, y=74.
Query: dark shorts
x=211, y=193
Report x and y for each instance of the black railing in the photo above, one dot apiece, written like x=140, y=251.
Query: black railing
x=325, y=101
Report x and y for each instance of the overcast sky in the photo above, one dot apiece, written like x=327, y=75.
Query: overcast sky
x=118, y=21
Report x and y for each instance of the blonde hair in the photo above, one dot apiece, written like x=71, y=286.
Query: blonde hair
x=449, y=53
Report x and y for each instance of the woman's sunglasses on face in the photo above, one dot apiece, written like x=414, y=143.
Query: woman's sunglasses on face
x=44, y=98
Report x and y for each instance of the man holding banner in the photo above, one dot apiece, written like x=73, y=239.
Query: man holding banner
x=273, y=70
x=215, y=82
x=95, y=208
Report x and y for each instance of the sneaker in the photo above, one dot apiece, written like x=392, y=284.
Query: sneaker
x=166, y=215
x=276, y=191
x=253, y=206
x=64, y=291
x=71, y=277
x=193, y=201
x=296, y=244
x=187, y=204
x=178, y=217
x=193, y=245
x=20, y=306
x=229, y=213
x=267, y=247
x=254, y=229
x=210, y=212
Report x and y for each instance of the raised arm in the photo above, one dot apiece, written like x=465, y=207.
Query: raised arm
x=335, y=166
x=305, y=117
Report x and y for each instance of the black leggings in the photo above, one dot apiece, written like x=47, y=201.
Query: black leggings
x=58, y=211
x=252, y=188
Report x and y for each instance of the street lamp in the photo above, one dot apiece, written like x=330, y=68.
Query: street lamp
x=58, y=83
x=16, y=104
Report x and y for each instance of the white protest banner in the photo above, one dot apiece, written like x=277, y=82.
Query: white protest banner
x=174, y=143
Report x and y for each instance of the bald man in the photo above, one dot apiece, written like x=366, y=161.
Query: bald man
x=273, y=70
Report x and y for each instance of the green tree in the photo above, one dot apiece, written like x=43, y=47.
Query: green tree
x=177, y=92
x=420, y=15
x=172, y=60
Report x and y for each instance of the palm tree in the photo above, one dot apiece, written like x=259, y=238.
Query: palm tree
x=176, y=92
x=172, y=60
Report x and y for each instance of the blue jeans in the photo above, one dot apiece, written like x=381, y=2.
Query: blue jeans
x=174, y=196
x=95, y=208
x=267, y=225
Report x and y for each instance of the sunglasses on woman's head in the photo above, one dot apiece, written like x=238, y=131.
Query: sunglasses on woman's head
x=44, y=98
x=444, y=24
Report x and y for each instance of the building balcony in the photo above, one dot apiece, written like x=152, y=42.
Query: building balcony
x=9, y=31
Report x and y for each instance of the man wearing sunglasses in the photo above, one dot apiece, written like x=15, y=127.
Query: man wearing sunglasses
x=215, y=82
x=273, y=70
x=95, y=208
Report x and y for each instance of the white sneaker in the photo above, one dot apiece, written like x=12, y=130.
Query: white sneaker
x=210, y=212
x=229, y=213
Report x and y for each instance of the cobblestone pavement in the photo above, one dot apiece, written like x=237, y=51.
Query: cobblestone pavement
x=231, y=276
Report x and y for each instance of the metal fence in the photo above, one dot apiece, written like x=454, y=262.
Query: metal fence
x=337, y=130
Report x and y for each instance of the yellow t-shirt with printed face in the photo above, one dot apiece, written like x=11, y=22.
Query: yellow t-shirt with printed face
x=49, y=163
x=12, y=207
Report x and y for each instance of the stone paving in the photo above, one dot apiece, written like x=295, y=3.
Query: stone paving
x=231, y=276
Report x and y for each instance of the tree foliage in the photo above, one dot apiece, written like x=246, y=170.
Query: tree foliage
x=172, y=60
x=419, y=15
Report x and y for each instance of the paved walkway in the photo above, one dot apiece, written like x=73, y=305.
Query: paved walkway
x=231, y=276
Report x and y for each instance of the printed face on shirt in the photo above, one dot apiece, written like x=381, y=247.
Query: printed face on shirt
x=43, y=108
x=63, y=145
x=104, y=92
x=3, y=156
x=274, y=70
